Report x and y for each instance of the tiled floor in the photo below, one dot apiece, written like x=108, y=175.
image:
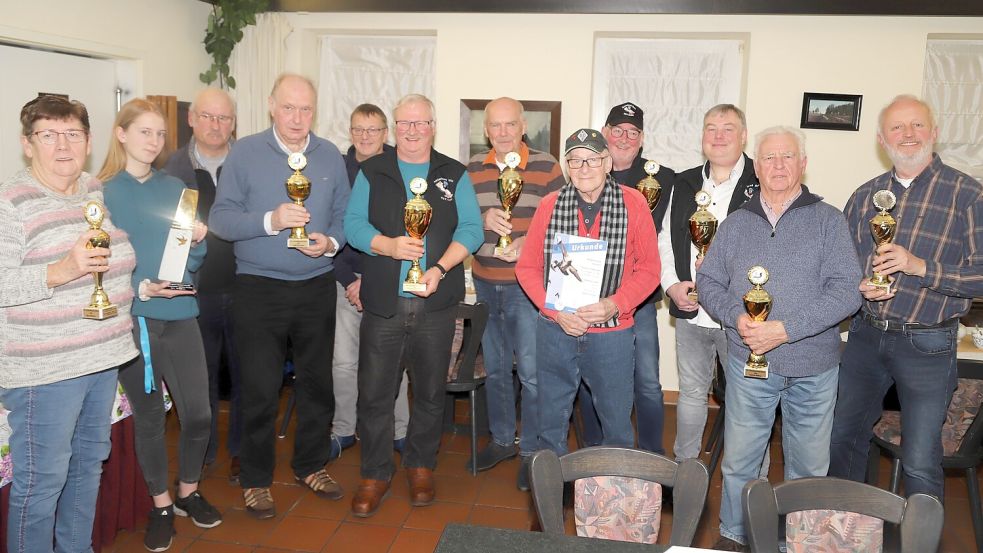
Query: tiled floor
x=307, y=523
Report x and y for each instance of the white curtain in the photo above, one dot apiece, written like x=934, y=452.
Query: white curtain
x=255, y=63
x=674, y=81
x=953, y=86
x=375, y=69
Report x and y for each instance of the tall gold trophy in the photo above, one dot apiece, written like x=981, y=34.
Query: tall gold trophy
x=416, y=217
x=99, y=307
x=298, y=190
x=757, y=303
x=649, y=186
x=509, y=189
x=702, y=228
x=883, y=227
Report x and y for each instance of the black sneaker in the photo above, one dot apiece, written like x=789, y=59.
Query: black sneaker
x=493, y=454
x=160, y=529
x=199, y=509
x=522, y=481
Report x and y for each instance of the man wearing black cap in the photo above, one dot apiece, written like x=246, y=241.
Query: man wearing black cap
x=592, y=343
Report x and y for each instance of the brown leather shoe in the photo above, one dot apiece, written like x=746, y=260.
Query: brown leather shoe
x=421, y=486
x=368, y=498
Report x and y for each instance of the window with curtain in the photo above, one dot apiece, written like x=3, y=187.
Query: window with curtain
x=675, y=81
x=375, y=69
x=953, y=86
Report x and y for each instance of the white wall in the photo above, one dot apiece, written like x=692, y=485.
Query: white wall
x=549, y=57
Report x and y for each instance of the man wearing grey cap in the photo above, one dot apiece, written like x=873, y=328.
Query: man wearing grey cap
x=592, y=343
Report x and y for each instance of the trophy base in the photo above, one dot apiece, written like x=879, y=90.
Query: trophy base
x=298, y=242
x=414, y=286
x=693, y=296
x=756, y=371
x=886, y=286
x=99, y=313
x=499, y=250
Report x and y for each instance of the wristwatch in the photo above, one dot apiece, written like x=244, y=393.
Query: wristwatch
x=443, y=271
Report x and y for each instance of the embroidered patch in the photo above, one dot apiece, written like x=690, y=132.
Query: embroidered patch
x=582, y=135
x=750, y=189
x=446, y=187
x=629, y=109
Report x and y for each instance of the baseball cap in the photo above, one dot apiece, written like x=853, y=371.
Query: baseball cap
x=586, y=138
x=626, y=113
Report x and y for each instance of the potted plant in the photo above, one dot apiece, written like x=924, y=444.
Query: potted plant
x=225, y=25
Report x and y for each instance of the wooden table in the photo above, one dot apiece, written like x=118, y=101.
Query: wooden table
x=968, y=350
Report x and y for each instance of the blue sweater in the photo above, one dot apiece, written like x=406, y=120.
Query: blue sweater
x=814, y=274
x=145, y=211
x=253, y=183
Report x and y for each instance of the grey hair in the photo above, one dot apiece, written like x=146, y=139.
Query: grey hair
x=903, y=98
x=284, y=76
x=415, y=99
x=800, y=138
x=213, y=90
x=522, y=109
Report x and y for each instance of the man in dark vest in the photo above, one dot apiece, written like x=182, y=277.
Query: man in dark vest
x=400, y=328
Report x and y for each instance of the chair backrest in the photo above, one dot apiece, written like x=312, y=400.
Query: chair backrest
x=475, y=318
x=970, y=380
x=689, y=480
x=920, y=516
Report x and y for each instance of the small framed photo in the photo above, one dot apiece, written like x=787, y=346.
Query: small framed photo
x=838, y=112
x=542, y=127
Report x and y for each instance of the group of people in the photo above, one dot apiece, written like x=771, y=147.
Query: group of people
x=337, y=308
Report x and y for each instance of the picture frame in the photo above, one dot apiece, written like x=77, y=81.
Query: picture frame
x=542, y=126
x=837, y=112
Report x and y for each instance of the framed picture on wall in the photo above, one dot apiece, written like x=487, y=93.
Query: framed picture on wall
x=542, y=127
x=838, y=112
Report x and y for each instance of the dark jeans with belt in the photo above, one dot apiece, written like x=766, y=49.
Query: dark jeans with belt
x=921, y=362
x=215, y=322
x=269, y=315
x=421, y=341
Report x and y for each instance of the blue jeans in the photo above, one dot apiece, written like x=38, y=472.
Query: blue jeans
x=604, y=361
x=807, y=419
x=59, y=439
x=510, y=334
x=922, y=364
x=649, y=407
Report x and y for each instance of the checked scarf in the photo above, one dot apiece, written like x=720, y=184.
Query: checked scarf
x=614, y=230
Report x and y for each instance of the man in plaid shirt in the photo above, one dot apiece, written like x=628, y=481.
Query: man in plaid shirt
x=907, y=335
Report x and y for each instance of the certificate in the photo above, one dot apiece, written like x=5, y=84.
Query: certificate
x=575, y=273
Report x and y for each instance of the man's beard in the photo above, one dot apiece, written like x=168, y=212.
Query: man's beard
x=907, y=162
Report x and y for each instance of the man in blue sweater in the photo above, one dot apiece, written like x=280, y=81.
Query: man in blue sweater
x=805, y=246
x=283, y=296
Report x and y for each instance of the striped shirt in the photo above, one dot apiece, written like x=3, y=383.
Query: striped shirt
x=541, y=175
x=940, y=219
x=45, y=338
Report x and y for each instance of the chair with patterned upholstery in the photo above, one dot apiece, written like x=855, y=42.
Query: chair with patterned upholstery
x=618, y=493
x=962, y=438
x=837, y=516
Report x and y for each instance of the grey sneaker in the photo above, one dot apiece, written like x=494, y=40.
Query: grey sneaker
x=202, y=514
x=259, y=502
x=160, y=529
x=493, y=454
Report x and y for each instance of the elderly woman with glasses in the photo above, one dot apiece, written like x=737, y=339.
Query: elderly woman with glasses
x=57, y=369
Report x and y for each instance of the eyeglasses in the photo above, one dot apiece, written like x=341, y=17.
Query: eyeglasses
x=49, y=136
x=373, y=132
x=418, y=125
x=787, y=157
x=618, y=132
x=592, y=162
x=205, y=117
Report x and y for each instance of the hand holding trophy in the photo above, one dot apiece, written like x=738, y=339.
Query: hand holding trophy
x=882, y=227
x=757, y=304
x=99, y=307
x=509, y=189
x=702, y=228
x=416, y=218
x=649, y=186
x=298, y=190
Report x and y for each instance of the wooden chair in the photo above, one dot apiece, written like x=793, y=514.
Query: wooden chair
x=920, y=516
x=689, y=480
x=461, y=376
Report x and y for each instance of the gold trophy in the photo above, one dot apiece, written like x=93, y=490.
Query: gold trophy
x=882, y=226
x=702, y=228
x=99, y=307
x=509, y=189
x=298, y=190
x=757, y=303
x=416, y=217
x=649, y=186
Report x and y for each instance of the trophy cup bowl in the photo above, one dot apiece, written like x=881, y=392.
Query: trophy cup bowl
x=702, y=228
x=509, y=189
x=416, y=219
x=99, y=307
x=882, y=228
x=298, y=190
x=757, y=304
x=649, y=186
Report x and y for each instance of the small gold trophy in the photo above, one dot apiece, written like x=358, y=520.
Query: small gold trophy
x=702, y=228
x=416, y=217
x=99, y=307
x=509, y=189
x=649, y=186
x=882, y=226
x=298, y=190
x=757, y=303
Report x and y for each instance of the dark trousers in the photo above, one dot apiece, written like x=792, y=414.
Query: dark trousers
x=421, y=341
x=215, y=323
x=270, y=315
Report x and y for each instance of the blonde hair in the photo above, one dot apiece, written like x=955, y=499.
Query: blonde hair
x=116, y=156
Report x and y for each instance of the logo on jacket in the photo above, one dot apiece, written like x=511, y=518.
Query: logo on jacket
x=750, y=189
x=446, y=188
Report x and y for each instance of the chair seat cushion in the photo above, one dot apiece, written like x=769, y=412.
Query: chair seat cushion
x=618, y=508
x=962, y=410
x=833, y=532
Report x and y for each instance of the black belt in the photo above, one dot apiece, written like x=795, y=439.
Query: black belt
x=884, y=325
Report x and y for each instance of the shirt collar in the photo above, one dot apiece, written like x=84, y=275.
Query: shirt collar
x=286, y=150
x=735, y=173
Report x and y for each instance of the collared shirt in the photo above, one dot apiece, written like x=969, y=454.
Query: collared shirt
x=940, y=219
x=775, y=214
